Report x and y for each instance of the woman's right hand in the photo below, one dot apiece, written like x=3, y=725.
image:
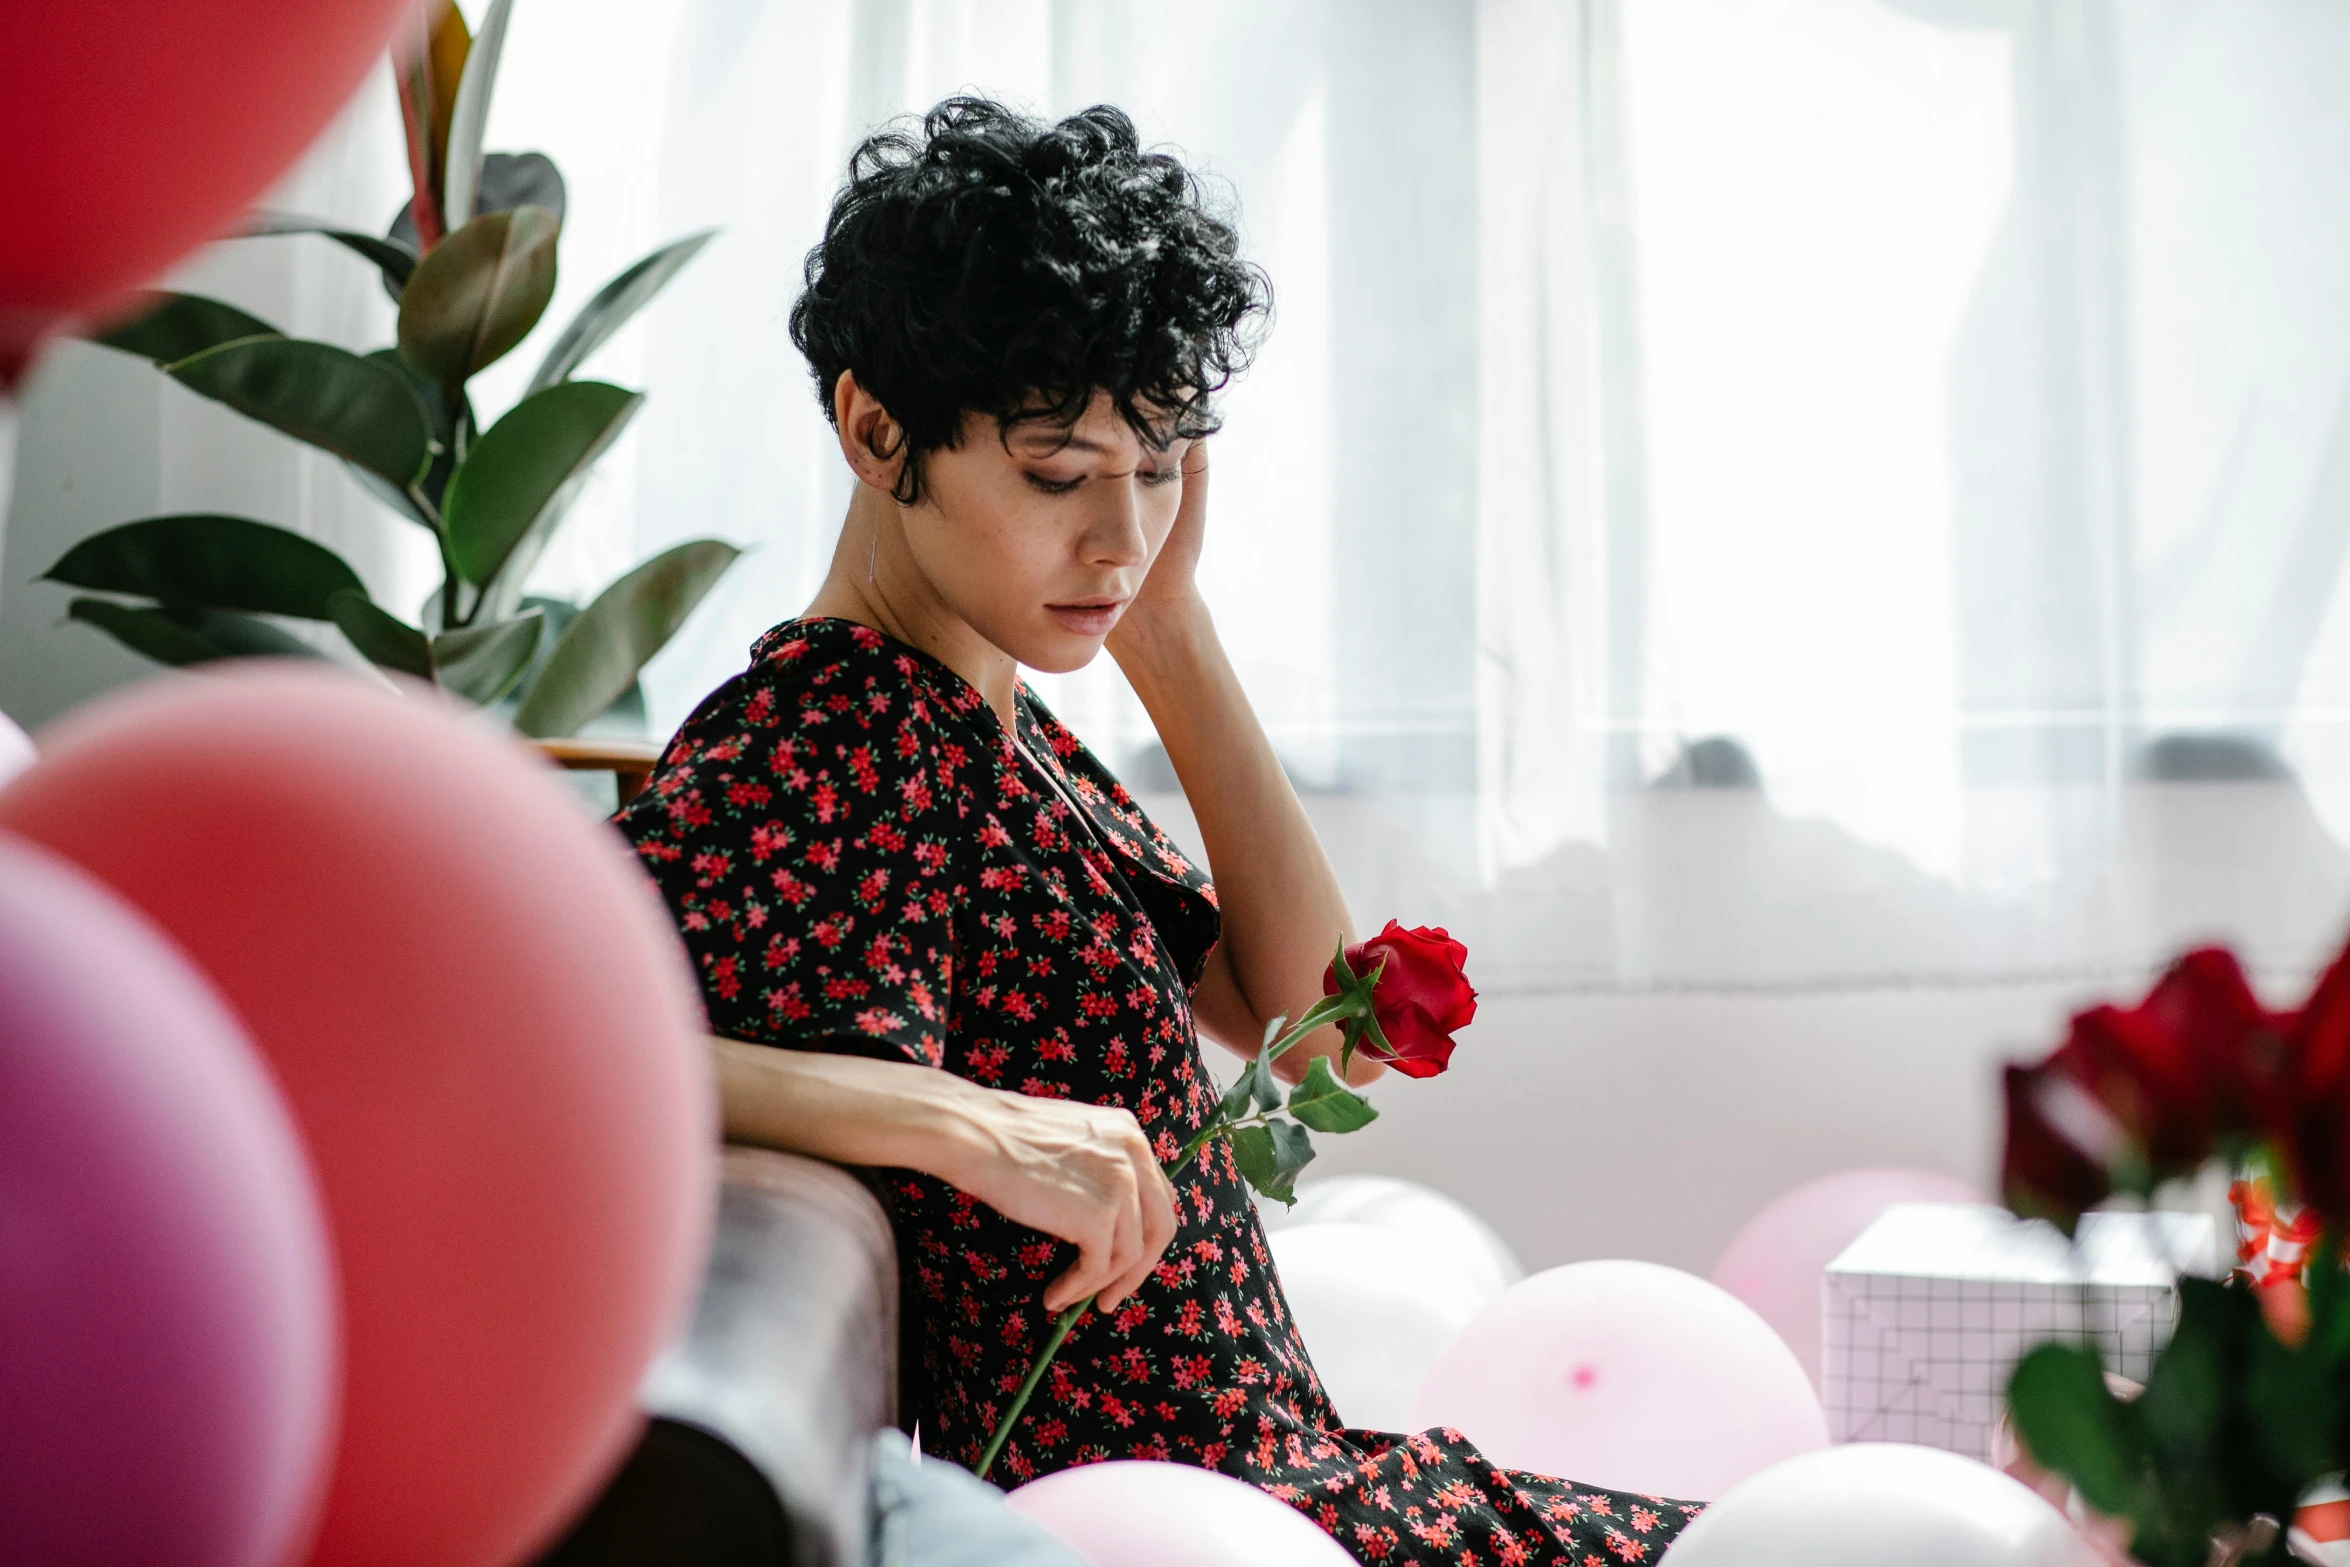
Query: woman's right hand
x=1081, y=1173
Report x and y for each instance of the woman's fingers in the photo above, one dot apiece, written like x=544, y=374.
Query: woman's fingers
x=1089, y=1272
x=1155, y=1213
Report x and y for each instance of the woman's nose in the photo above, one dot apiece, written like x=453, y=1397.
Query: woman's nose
x=1114, y=534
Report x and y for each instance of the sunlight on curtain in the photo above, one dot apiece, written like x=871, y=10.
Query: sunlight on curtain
x=1739, y=493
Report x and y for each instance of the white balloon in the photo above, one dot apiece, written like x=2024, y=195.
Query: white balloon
x=1444, y=1234
x=1374, y=1311
x=1876, y=1503
x=16, y=747
x=1135, y=1514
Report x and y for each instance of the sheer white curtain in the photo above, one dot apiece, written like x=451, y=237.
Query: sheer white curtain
x=1740, y=493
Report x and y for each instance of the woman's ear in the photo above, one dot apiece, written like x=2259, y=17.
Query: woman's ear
x=873, y=442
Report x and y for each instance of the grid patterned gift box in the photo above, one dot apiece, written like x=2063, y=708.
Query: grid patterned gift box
x=1925, y=1315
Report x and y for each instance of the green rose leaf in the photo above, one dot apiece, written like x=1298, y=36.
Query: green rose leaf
x=188, y=636
x=613, y=305
x=1292, y=1147
x=478, y=293
x=598, y=655
x=173, y=327
x=1328, y=1105
x=2294, y=1407
x=1264, y=1087
x=208, y=561
x=1236, y=1099
x=482, y=663
x=512, y=477
x=2073, y=1425
x=318, y=393
x=1254, y=1151
x=382, y=638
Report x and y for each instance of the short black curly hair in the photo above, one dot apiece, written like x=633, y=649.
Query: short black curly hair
x=993, y=263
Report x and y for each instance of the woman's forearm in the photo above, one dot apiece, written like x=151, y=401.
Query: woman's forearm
x=1283, y=911
x=847, y=1109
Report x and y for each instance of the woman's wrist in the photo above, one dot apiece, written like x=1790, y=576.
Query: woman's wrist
x=1161, y=642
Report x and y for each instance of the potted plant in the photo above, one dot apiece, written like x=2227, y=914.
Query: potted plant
x=471, y=262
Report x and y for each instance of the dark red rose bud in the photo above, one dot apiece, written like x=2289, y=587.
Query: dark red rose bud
x=1422, y=998
x=2060, y=1143
x=2232, y=1048
x=2315, y=1122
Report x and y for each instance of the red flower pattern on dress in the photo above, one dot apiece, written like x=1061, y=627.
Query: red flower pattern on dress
x=861, y=859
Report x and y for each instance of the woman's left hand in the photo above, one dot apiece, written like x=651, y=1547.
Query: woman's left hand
x=1170, y=585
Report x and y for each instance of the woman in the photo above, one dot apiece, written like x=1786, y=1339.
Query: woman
x=983, y=965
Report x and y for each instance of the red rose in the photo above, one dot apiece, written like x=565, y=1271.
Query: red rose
x=1421, y=997
x=2137, y=1095
x=2059, y=1145
x=2316, y=1121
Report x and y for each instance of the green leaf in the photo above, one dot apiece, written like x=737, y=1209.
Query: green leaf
x=2185, y=1405
x=1260, y=1164
x=1236, y=1099
x=481, y=663
x=479, y=293
x=613, y=305
x=382, y=638
x=452, y=431
x=397, y=262
x=2293, y=1407
x=1263, y=1085
x=209, y=561
x=513, y=474
x=188, y=636
x=318, y=393
x=508, y=180
x=2073, y=1425
x=1328, y=1105
x=1293, y=1148
x=599, y=654
x=178, y=326
x=469, y=120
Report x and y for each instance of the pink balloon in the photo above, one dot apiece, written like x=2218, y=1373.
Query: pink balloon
x=1774, y=1263
x=1625, y=1375
x=1131, y=1514
x=167, y=1314
x=488, y=1033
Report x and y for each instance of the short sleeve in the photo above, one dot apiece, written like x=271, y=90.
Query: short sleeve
x=798, y=834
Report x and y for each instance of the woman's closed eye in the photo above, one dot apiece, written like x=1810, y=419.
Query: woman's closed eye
x=1153, y=477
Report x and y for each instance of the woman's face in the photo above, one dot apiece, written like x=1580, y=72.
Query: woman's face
x=1040, y=540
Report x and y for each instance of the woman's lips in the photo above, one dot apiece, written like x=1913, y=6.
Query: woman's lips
x=1088, y=620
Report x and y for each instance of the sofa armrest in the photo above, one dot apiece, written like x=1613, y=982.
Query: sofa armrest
x=763, y=1414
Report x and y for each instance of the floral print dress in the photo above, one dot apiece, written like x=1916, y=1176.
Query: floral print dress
x=861, y=859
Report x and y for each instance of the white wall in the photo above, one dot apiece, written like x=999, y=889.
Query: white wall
x=1653, y=1126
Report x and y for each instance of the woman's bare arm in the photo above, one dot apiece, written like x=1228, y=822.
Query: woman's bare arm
x=1082, y=1173
x=1283, y=912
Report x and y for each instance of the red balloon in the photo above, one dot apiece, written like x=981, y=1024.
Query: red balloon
x=491, y=1041
x=132, y=131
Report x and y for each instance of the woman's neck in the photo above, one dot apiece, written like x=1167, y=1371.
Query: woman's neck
x=875, y=582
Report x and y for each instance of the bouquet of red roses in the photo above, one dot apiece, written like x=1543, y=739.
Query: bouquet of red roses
x=1397, y=997
x=2250, y=1400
